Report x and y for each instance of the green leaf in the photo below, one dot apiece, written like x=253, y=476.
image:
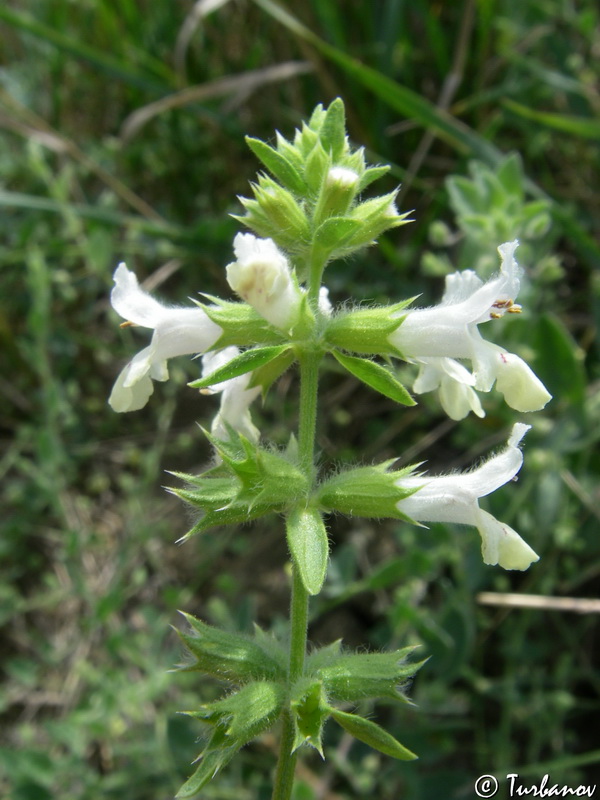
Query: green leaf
x=278, y=165
x=266, y=375
x=560, y=361
x=247, y=361
x=307, y=540
x=375, y=376
x=510, y=175
x=368, y=732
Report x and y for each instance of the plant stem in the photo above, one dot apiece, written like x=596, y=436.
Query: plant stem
x=309, y=380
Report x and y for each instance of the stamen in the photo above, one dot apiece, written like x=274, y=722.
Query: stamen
x=128, y=324
x=515, y=309
x=495, y=315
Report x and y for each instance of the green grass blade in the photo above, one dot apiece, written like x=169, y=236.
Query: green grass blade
x=79, y=49
x=109, y=216
x=404, y=101
x=584, y=127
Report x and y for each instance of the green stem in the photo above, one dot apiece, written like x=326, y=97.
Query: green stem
x=309, y=380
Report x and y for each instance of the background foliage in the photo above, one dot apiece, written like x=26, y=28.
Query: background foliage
x=121, y=132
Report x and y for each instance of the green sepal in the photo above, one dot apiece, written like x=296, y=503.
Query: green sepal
x=234, y=657
x=372, y=174
x=307, y=540
x=266, y=476
x=235, y=514
x=216, y=755
x=236, y=719
x=246, y=713
x=365, y=492
x=367, y=330
x=377, y=216
x=372, y=734
x=240, y=323
x=376, y=377
x=332, y=131
x=290, y=152
x=352, y=677
x=207, y=492
x=278, y=165
x=310, y=711
x=245, y=362
x=335, y=232
x=316, y=167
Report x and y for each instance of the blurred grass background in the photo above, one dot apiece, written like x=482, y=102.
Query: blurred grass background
x=121, y=137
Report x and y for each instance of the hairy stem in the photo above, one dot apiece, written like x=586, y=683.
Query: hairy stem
x=309, y=379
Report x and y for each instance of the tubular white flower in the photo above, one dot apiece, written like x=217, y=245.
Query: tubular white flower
x=235, y=397
x=177, y=331
x=454, y=498
x=450, y=331
x=261, y=276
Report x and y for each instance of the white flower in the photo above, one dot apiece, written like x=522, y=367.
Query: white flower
x=235, y=397
x=261, y=276
x=455, y=383
x=449, y=331
x=454, y=498
x=177, y=331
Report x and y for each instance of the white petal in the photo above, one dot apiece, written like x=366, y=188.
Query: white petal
x=130, y=398
x=502, y=545
x=458, y=399
x=521, y=387
x=499, y=469
x=461, y=286
x=440, y=499
x=132, y=302
x=211, y=362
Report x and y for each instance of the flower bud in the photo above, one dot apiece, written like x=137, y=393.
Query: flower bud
x=261, y=276
x=337, y=194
